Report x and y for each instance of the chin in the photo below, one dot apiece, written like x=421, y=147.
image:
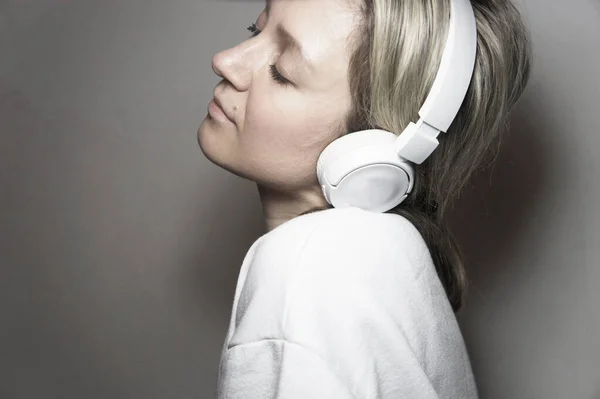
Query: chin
x=216, y=149
x=202, y=140
x=209, y=143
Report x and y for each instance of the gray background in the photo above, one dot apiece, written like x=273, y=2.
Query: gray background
x=120, y=243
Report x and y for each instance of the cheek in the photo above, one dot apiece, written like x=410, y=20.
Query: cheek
x=283, y=137
x=287, y=125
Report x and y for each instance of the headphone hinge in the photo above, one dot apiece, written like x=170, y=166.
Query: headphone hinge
x=417, y=141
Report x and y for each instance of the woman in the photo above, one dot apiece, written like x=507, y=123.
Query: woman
x=344, y=302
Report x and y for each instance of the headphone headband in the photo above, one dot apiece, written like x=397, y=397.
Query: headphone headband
x=449, y=88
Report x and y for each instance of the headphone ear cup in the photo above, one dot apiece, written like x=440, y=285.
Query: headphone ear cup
x=362, y=169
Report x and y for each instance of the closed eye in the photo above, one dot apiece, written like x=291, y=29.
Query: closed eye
x=275, y=74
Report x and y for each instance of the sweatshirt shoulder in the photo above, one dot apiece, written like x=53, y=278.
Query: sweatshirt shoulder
x=341, y=234
x=343, y=258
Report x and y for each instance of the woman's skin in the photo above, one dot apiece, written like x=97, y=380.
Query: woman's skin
x=274, y=133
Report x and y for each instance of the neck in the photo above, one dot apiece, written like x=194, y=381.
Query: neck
x=279, y=207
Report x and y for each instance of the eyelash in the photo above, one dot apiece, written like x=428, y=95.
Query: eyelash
x=272, y=68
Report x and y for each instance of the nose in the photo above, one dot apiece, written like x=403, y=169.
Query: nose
x=218, y=64
x=234, y=65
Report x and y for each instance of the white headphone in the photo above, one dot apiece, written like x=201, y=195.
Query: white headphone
x=371, y=169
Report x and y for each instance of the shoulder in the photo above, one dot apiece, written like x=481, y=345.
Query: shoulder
x=355, y=288
x=342, y=237
x=336, y=269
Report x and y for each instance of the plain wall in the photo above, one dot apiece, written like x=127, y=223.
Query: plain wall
x=120, y=243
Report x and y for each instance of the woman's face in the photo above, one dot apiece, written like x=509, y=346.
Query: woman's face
x=275, y=131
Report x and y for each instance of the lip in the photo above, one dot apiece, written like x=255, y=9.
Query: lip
x=215, y=109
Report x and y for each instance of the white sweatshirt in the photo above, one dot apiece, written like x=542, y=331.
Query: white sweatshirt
x=342, y=303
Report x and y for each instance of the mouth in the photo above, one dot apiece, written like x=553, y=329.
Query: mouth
x=215, y=109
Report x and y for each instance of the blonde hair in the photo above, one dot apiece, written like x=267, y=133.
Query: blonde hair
x=395, y=54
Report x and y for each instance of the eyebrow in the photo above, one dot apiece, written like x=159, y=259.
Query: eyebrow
x=288, y=38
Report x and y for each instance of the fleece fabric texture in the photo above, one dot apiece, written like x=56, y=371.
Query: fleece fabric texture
x=342, y=303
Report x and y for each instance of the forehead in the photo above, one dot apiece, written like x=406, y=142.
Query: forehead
x=320, y=28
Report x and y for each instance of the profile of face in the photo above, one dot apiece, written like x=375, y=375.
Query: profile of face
x=282, y=105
